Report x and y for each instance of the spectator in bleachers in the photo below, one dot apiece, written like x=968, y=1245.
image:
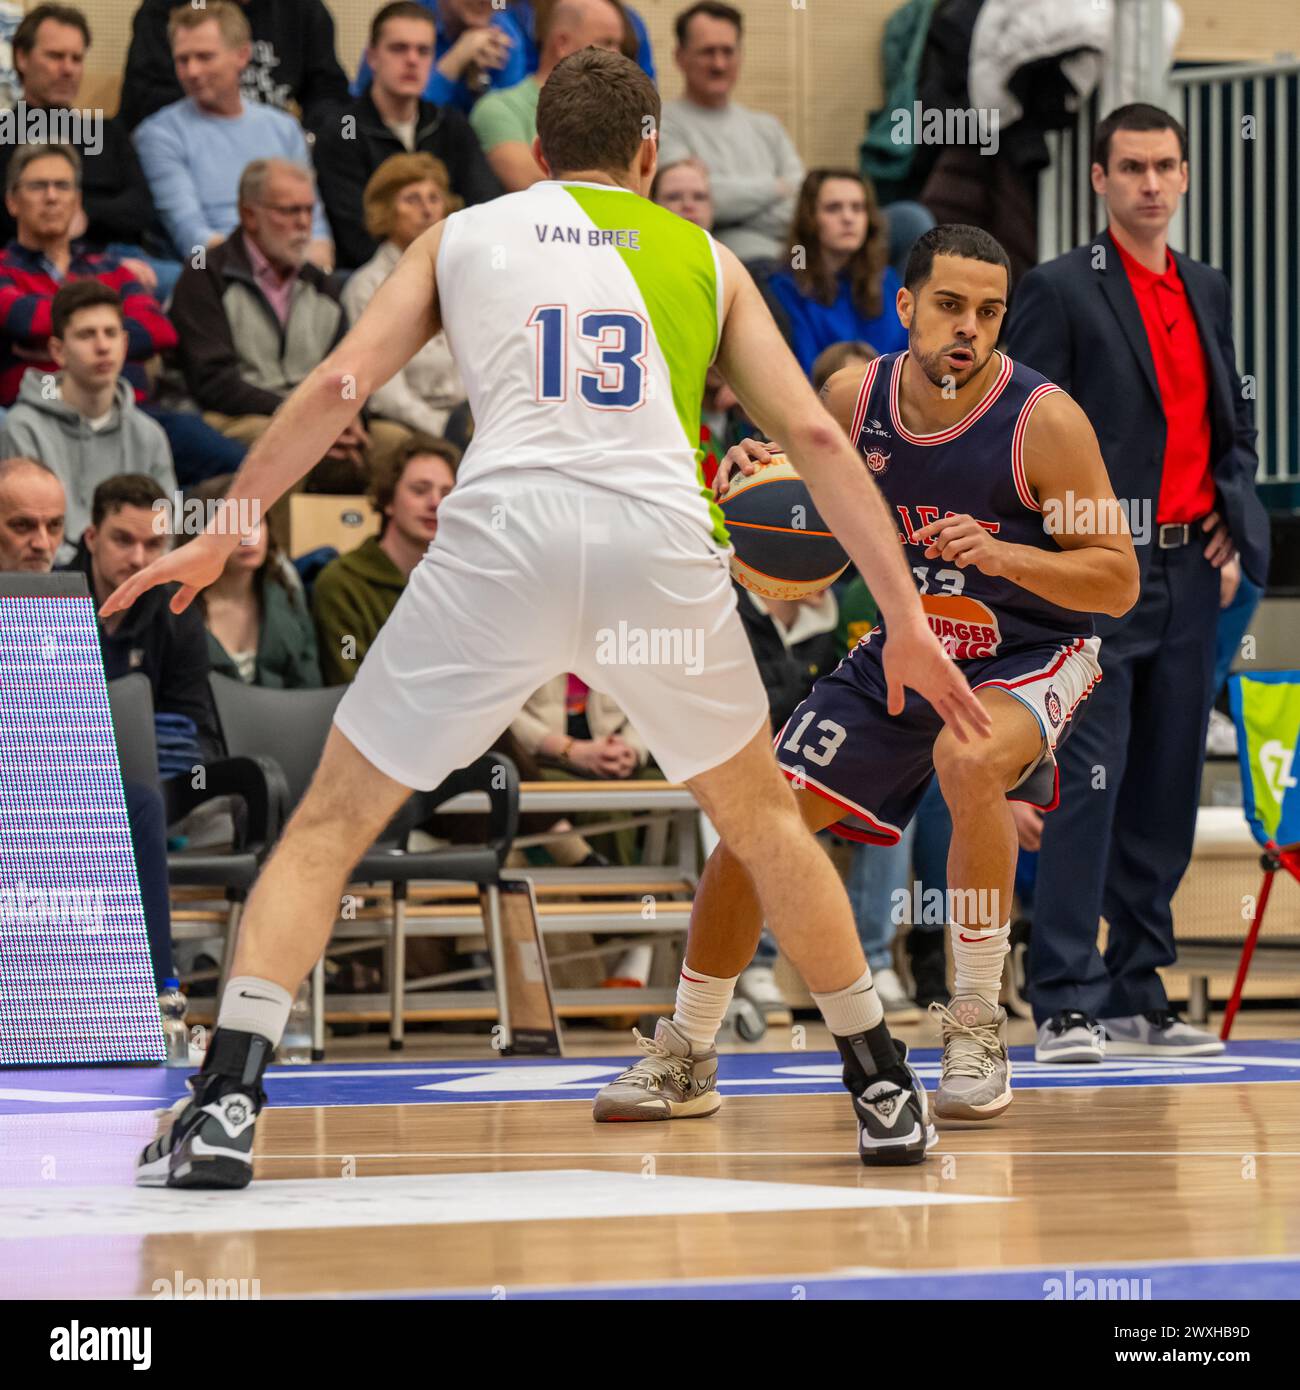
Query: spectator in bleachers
x=258, y=316
x=117, y=211
x=355, y=593
x=685, y=189
x=259, y=628
x=479, y=46
x=533, y=17
x=615, y=750
x=753, y=164
x=32, y=508
x=408, y=194
x=293, y=62
x=505, y=120
x=391, y=119
x=125, y=534
x=849, y=352
x=42, y=194
x=11, y=89
x=841, y=285
x=83, y=422
x=31, y=533
x=194, y=151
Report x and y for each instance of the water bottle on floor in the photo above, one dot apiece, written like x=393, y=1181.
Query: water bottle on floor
x=295, y=1045
x=176, y=1037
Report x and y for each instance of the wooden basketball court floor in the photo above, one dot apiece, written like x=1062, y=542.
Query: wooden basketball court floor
x=451, y=1173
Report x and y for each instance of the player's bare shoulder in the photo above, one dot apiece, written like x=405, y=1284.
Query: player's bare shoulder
x=1057, y=428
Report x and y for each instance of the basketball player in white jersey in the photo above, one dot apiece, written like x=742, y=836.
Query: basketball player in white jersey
x=583, y=319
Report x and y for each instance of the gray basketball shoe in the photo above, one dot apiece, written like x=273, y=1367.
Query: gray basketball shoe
x=1160, y=1033
x=671, y=1082
x=975, y=1078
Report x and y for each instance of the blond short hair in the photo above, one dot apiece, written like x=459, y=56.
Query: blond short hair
x=231, y=21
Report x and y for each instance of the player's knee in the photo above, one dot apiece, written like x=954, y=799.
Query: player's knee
x=761, y=828
x=971, y=769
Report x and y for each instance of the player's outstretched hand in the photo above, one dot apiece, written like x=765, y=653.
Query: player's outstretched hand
x=748, y=456
x=914, y=658
x=193, y=567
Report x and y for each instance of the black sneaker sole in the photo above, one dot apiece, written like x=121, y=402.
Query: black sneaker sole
x=903, y=1156
x=899, y=1155
x=213, y=1174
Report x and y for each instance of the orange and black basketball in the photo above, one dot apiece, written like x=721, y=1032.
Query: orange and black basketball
x=783, y=548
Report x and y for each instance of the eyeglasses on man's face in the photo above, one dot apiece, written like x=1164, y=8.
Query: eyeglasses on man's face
x=43, y=186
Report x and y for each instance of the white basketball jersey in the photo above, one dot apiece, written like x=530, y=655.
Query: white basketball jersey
x=583, y=319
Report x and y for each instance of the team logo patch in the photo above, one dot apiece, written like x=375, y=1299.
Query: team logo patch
x=966, y=628
x=1053, y=702
x=877, y=462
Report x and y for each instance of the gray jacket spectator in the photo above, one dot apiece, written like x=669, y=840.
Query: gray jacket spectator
x=83, y=422
x=753, y=165
x=82, y=451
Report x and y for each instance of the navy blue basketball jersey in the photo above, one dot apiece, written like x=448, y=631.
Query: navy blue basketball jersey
x=973, y=467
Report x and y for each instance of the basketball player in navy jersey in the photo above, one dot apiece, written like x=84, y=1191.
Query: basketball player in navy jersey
x=1010, y=527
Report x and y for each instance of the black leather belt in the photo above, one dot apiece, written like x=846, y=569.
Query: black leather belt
x=1171, y=534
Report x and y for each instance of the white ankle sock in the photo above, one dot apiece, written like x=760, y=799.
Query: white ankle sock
x=250, y=1005
x=852, y=1010
x=977, y=954
x=702, y=1003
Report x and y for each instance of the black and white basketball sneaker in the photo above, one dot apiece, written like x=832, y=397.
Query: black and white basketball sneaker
x=893, y=1113
x=209, y=1143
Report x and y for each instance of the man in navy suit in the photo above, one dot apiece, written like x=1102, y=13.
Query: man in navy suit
x=1141, y=337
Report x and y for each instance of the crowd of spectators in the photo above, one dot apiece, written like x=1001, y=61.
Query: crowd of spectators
x=170, y=275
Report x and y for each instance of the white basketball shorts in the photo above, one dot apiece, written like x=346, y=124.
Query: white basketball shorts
x=533, y=575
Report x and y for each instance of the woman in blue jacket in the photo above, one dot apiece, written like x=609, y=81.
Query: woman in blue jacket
x=840, y=285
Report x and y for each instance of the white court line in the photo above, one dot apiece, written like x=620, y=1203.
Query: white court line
x=811, y=1153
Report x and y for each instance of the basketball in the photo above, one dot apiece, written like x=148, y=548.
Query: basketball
x=783, y=548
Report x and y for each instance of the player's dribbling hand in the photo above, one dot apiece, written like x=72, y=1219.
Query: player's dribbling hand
x=962, y=541
x=748, y=456
x=913, y=657
x=193, y=567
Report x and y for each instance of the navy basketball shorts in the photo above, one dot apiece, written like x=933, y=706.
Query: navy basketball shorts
x=843, y=743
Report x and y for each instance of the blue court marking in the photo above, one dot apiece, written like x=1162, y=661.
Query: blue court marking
x=1252, y=1279
x=48, y=1091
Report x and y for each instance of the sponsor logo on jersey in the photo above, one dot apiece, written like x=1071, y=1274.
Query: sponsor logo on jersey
x=877, y=462
x=967, y=628
x=1053, y=702
x=870, y=426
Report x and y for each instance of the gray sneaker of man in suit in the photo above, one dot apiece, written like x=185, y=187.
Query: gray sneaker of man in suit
x=1160, y=1033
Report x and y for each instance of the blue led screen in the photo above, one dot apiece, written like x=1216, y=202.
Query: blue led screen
x=76, y=983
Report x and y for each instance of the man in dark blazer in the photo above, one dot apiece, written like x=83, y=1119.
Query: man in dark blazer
x=1141, y=337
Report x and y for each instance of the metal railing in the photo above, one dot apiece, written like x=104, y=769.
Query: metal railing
x=1241, y=215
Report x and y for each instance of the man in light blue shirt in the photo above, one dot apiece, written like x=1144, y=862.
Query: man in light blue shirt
x=194, y=151
x=478, y=48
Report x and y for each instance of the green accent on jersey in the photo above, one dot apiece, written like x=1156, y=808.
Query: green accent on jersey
x=677, y=277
